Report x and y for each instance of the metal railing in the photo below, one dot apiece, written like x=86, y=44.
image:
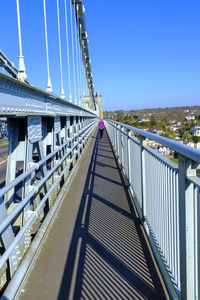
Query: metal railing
x=167, y=198
x=42, y=183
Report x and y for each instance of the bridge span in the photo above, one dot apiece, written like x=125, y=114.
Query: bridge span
x=84, y=217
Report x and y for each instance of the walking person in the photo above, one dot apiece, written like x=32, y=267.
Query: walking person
x=101, y=128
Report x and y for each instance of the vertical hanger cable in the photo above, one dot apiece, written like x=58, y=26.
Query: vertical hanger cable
x=68, y=61
x=62, y=95
x=76, y=48
x=79, y=56
x=22, y=70
x=49, y=86
x=72, y=39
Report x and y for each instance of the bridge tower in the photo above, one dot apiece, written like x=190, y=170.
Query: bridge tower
x=100, y=107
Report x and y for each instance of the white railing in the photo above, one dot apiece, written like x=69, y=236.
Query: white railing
x=168, y=201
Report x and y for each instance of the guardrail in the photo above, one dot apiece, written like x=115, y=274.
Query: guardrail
x=167, y=197
x=21, y=219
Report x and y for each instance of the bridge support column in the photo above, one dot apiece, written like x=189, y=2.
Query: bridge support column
x=75, y=139
x=16, y=154
x=62, y=141
x=34, y=153
x=82, y=127
x=49, y=143
x=48, y=146
x=189, y=232
x=79, y=132
x=67, y=148
x=58, y=156
x=71, y=136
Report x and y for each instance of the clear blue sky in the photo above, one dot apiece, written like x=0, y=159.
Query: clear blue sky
x=144, y=53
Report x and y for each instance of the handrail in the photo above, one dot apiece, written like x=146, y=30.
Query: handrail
x=191, y=153
x=166, y=197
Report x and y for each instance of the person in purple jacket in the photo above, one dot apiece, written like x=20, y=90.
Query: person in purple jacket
x=101, y=128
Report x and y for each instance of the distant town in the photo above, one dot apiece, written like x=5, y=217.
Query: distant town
x=179, y=123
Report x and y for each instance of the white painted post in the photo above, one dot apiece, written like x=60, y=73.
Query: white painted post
x=143, y=177
x=187, y=228
x=129, y=155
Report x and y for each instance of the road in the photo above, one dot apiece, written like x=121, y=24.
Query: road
x=3, y=162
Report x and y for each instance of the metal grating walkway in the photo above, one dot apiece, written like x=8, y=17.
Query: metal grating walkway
x=96, y=248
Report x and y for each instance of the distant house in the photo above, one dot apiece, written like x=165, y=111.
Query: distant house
x=140, y=120
x=168, y=122
x=190, y=117
x=164, y=150
x=155, y=131
x=158, y=131
x=177, y=139
x=153, y=144
x=190, y=143
x=198, y=145
x=195, y=130
x=176, y=126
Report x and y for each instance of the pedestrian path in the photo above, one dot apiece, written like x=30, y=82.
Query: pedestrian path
x=96, y=248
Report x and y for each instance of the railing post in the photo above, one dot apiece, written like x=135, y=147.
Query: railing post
x=118, y=139
x=122, y=146
x=186, y=228
x=128, y=156
x=143, y=177
x=115, y=126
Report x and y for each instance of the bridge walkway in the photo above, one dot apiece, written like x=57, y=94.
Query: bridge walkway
x=96, y=248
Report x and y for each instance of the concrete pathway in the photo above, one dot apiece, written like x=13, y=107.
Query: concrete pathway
x=96, y=248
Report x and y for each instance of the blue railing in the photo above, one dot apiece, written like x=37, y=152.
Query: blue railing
x=167, y=198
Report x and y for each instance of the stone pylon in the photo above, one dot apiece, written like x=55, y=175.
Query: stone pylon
x=100, y=108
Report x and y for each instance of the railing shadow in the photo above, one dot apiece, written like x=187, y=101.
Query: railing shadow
x=108, y=256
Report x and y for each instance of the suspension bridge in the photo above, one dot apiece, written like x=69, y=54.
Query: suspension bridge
x=84, y=217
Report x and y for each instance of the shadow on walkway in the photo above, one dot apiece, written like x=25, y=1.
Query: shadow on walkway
x=108, y=256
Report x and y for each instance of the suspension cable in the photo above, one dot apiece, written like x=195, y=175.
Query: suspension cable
x=76, y=47
x=22, y=70
x=81, y=78
x=62, y=95
x=68, y=62
x=79, y=56
x=72, y=39
x=49, y=86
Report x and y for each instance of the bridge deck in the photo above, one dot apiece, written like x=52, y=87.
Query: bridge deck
x=97, y=248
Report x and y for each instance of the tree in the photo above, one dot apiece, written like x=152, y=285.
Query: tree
x=152, y=122
x=197, y=117
x=195, y=138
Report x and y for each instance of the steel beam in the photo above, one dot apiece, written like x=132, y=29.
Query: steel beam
x=21, y=99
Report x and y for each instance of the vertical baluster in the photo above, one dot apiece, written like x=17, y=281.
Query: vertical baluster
x=186, y=215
